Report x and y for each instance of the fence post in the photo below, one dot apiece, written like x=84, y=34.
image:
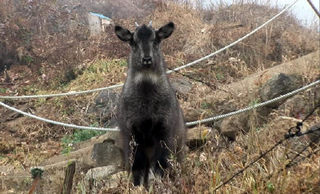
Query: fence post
x=67, y=184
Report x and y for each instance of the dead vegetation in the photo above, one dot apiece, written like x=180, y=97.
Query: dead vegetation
x=58, y=55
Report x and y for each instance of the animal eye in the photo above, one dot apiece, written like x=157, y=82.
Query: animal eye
x=133, y=44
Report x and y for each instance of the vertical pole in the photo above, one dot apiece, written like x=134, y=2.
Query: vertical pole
x=67, y=184
x=36, y=175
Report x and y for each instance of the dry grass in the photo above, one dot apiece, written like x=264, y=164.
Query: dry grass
x=99, y=62
x=30, y=135
x=207, y=166
x=207, y=31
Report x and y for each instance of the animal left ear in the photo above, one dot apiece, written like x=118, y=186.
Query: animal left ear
x=165, y=31
x=123, y=34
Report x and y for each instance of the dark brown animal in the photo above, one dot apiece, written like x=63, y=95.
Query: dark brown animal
x=149, y=116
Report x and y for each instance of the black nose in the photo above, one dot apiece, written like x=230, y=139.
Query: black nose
x=147, y=60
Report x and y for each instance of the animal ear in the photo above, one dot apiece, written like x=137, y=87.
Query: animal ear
x=165, y=31
x=123, y=34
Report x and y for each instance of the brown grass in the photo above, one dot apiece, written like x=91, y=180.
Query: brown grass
x=197, y=34
x=201, y=32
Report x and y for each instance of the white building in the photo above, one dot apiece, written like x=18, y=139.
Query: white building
x=97, y=23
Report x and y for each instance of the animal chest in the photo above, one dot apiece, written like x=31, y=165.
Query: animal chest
x=141, y=107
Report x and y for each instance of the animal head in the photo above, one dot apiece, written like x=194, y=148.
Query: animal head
x=145, y=43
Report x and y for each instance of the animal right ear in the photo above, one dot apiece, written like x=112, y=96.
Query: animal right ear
x=165, y=31
x=123, y=34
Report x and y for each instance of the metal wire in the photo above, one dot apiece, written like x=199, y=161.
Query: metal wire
x=168, y=72
x=188, y=124
x=235, y=42
x=61, y=94
x=254, y=106
x=56, y=122
x=286, y=137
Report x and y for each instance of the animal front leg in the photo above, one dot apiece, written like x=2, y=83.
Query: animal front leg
x=161, y=160
x=140, y=166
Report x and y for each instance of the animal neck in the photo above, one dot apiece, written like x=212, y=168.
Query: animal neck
x=146, y=77
x=147, y=83
x=153, y=75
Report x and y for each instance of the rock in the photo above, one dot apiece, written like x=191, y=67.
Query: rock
x=231, y=126
x=107, y=176
x=301, y=104
x=100, y=173
x=297, y=145
x=106, y=153
x=116, y=178
x=279, y=84
x=107, y=97
x=315, y=136
x=103, y=150
x=113, y=135
x=197, y=136
x=198, y=133
x=105, y=107
x=243, y=122
x=191, y=114
x=304, y=145
x=9, y=115
x=110, y=183
x=181, y=86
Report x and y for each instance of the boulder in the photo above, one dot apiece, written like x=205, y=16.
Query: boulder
x=116, y=178
x=105, y=106
x=107, y=176
x=10, y=115
x=197, y=136
x=181, y=86
x=299, y=147
x=231, y=126
x=106, y=153
x=279, y=84
x=110, y=184
x=191, y=114
x=301, y=104
x=101, y=173
x=103, y=150
x=315, y=136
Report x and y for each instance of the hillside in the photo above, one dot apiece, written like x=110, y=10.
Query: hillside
x=47, y=49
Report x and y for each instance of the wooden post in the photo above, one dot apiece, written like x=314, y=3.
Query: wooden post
x=67, y=184
x=314, y=8
x=36, y=175
x=34, y=185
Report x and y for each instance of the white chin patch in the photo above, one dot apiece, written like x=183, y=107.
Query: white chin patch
x=146, y=76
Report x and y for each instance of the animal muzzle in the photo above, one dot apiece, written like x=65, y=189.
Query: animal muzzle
x=147, y=61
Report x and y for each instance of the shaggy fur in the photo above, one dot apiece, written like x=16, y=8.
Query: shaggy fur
x=149, y=116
